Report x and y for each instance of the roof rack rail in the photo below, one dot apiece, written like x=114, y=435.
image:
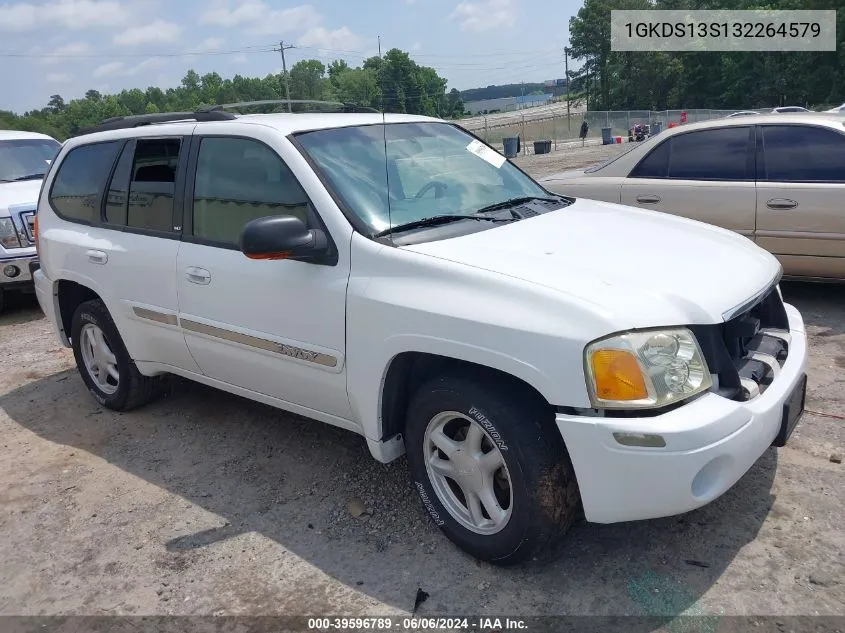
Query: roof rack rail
x=137, y=120
x=343, y=107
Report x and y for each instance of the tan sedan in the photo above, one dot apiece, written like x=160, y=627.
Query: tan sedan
x=777, y=179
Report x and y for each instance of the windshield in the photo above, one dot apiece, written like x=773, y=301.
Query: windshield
x=23, y=159
x=390, y=175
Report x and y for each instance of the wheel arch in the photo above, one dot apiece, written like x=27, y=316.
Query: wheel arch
x=408, y=370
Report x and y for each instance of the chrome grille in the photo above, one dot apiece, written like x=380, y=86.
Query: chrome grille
x=28, y=226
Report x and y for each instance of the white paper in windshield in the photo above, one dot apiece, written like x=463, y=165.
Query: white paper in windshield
x=490, y=155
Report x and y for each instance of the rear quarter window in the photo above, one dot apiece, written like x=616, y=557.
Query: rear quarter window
x=78, y=186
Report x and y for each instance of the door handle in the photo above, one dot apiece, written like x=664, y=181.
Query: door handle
x=781, y=204
x=648, y=199
x=97, y=257
x=198, y=275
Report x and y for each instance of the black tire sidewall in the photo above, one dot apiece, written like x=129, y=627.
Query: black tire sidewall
x=95, y=313
x=505, y=544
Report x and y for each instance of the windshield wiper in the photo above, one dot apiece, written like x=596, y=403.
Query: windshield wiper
x=27, y=177
x=514, y=202
x=436, y=220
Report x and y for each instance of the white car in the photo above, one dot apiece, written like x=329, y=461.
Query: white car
x=24, y=158
x=534, y=355
x=789, y=109
x=837, y=109
x=742, y=113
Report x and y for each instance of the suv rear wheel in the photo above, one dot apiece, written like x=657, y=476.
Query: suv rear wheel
x=101, y=357
x=492, y=471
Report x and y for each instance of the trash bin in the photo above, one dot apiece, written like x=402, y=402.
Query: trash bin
x=605, y=136
x=511, y=144
x=542, y=147
x=656, y=127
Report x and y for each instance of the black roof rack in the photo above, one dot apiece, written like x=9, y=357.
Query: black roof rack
x=137, y=120
x=209, y=113
x=338, y=105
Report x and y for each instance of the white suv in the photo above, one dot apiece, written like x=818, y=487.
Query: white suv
x=535, y=356
x=24, y=158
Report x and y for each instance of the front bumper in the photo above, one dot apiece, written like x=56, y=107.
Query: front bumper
x=710, y=444
x=21, y=269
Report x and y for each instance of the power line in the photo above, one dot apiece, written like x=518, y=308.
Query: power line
x=251, y=49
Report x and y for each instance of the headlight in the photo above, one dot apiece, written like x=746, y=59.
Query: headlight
x=8, y=234
x=649, y=369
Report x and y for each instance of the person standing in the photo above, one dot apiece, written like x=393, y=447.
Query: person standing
x=585, y=127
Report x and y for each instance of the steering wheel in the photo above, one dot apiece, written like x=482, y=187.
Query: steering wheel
x=438, y=186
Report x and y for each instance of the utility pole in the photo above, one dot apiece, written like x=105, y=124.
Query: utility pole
x=566, y=66
x=282, y=48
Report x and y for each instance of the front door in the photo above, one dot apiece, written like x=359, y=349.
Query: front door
x=801, y=198
x=707, y=175
x=273, y=327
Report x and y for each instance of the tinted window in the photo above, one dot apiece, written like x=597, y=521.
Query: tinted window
x=710, y=155
x=117, y=199
x=78, y=186
x=655, y=164
x=239, y=180
x=153, y=184
x=803, y=153
x=705, y=155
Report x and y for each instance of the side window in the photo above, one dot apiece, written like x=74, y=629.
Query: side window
x=655, y=164
x=239, y=180
x=153, y=184
x=720, y=154
x=802, y=153
x=79, y=183
x=117, y=199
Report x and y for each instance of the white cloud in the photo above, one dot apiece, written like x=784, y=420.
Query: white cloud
x=60, y=53
x=68, y=14
x=158, y=31
x=484, y=15
x=339, y=39
x=59, y=78
x=416, y=47
x=240, y=59
x=120, y=69
x=210, y=44
x=258, y=17
x=110, y=68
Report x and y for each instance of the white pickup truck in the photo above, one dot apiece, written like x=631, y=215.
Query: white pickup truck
x=538, y=357
x=24, y=157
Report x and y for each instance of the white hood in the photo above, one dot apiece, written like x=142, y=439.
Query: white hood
x=642, y=267
x=16, y=193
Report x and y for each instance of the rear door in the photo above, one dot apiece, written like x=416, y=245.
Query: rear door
x=705, y=175
x=124, y=191
x=801, y=198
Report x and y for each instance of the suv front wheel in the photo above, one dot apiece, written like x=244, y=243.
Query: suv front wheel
x=101, y=357
x=491, y=469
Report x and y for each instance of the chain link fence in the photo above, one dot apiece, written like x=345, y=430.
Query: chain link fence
x=562, y=130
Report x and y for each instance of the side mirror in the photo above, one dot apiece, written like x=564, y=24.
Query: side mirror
x=284, y=237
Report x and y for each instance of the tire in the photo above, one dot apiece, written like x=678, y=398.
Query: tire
x=130, y=389
x=544, y=500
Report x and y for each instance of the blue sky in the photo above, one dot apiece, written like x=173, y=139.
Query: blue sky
x=69, y=46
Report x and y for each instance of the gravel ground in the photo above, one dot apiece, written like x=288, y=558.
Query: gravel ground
x=206, y=503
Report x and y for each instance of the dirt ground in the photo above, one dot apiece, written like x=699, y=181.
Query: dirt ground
x=206, y=503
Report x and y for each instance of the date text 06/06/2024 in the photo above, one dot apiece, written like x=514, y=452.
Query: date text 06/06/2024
x=481, y=624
